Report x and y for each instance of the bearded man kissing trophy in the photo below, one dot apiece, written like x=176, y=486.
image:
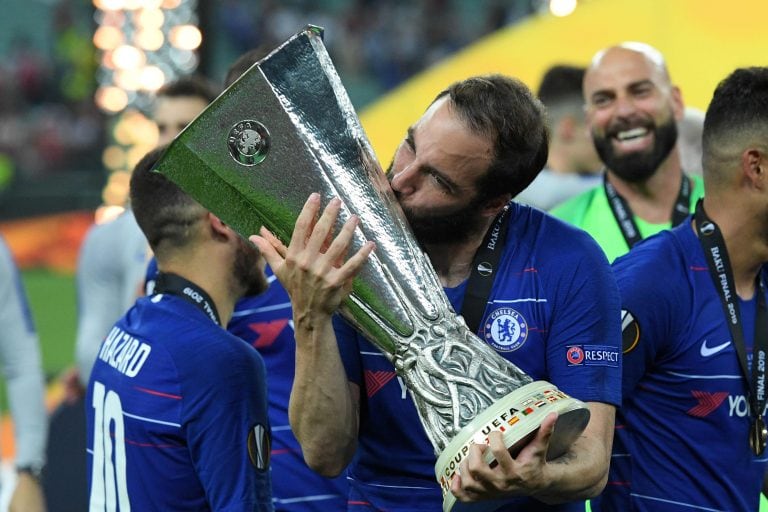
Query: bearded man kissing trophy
x=286, y=129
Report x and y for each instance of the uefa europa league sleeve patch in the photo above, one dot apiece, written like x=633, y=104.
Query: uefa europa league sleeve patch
x=259, y=447
x=630, y=331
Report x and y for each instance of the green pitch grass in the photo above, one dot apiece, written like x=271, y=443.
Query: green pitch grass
x=53, y=302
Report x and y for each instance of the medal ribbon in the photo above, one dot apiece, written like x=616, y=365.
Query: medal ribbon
x=713, y=244
x=174, y=284
x=625, y=218
x=483, y=270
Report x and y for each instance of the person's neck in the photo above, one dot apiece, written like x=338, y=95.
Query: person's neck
x=453, y=262
x=653, y=199
x=744, y=241
x=557, y=162
x=568, y=157
x=216, y=282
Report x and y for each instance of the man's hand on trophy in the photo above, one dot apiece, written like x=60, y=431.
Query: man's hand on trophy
x=313, y=268
x=505, y=476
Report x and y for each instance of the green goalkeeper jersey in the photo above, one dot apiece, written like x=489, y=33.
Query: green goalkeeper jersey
x=591, y=212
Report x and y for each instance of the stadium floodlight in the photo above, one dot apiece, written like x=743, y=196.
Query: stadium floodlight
x=143, y=45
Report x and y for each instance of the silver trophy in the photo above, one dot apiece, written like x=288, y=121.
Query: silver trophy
x=286, y=129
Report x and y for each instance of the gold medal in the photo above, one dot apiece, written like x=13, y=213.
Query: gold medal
x=758, y=435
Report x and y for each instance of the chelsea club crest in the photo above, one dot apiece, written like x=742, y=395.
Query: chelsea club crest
x=505, y=329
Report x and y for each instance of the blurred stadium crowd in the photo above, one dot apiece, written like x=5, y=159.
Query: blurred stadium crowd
x=52, y=134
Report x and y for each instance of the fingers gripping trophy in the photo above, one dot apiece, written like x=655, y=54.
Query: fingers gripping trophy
x=286, y=129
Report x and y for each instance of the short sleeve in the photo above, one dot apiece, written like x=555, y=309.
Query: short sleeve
x=583, y=352
x=226, y=425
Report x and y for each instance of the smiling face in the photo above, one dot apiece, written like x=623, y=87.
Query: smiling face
x=631, y=112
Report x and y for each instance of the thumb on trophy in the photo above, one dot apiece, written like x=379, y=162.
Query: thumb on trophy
x=537, y=449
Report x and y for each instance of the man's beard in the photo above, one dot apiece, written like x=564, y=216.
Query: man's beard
x=445, y=226
x=442, y=226
x=249, y=269
x=637, y=167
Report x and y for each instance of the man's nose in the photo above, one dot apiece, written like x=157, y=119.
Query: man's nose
x=625, y=106
x=406, y=180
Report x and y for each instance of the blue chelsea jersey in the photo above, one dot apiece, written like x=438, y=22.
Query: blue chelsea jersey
x=682, y=433
x=265, y=321
x=177, y=415
x=553, y=311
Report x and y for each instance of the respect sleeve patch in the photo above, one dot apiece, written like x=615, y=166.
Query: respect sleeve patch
x=592, y=355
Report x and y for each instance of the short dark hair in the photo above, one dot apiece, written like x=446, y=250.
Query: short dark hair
x=738, y=112
x=164, y=212
x=192, y=85
x=561, y=82
x=244, y=63
x=505, y=110
x=561, y=92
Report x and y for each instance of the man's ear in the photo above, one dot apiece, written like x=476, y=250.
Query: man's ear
x=494, y=205
x=754, y=164
x=678, y=105
x=566, y=128
x=219, y=230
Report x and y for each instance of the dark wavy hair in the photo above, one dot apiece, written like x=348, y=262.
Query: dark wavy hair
x=737, y=113
x=505, y=110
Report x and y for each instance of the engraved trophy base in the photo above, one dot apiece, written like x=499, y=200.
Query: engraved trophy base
x=517, y=416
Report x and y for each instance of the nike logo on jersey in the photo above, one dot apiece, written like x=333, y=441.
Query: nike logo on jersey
x=374, y=381
x=707, y=351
